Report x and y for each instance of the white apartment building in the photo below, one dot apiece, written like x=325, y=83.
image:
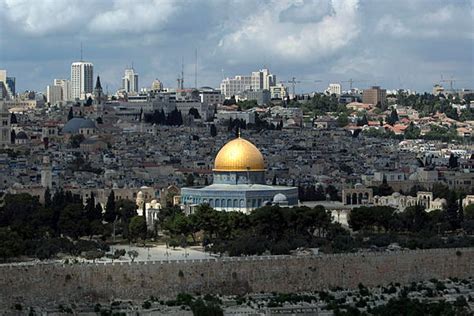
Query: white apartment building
x=54, y=94
x=235, y=86
x=258, y=80
x=65, y=87
x=82, y=74
x=130, y=81
x=334, y=88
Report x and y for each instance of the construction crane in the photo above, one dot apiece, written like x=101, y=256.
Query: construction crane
x=293, y=83
x=352, y=81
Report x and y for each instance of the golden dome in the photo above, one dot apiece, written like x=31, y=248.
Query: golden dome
x=239, y=155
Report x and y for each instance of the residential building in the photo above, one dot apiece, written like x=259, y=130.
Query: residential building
x=234, y=86
x=82, y=77
x=334, y=88
x=375, y=95
x=54, y=94
x=278, y=91
x=65, y=87
x=261, y=96
x=211, y=96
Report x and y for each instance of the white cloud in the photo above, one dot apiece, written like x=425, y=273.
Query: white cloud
x=48, y=16
x=129, y=16
x=263, y=33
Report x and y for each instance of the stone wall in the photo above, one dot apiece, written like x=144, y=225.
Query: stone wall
x=53, y=284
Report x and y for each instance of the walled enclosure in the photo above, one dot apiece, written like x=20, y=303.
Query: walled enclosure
x=53, y=284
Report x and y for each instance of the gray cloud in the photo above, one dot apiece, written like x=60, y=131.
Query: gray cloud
x=395, y=44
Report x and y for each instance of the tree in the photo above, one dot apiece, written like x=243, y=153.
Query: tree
x=72, y=221
x=137, y=228
x=88, y=101
x=194, y=112
x=126, y=210
x=12, y=136
x=452, y=208
x=47, y=197
x=412, y=132
x=190, y=180
x=110, y=209
x=213, y=130
x=13, y=119
x=342, y=120
x=453, y=161
x=393, y=117
x=76, y=140
x=70, y=115
x=11, y=244
x=132, y=254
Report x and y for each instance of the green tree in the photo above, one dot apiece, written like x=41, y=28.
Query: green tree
x=76, y=140
x=342, y=120
x=72, y=221
x=110, y=209
x=70, y=115
x=137, y=228
x=11, y=244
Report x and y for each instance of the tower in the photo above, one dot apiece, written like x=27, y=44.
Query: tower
x=98, y=92
x=5, y=125
x=46, y=173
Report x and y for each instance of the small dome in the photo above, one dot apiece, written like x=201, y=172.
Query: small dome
x=140, y=195
x=358, y=185
x=280, y=198
x=396, y=194
x=239, y=155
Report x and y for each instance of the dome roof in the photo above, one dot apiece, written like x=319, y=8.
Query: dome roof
x=239, y=155
x=21, y=135
x=279, y=198
x=76, y=123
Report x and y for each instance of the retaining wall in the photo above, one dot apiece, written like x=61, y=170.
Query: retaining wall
x=54, y=284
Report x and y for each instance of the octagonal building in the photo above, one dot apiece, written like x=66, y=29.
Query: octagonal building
x=239, y=182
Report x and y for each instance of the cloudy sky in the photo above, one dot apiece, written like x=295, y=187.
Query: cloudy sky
x=396, y=44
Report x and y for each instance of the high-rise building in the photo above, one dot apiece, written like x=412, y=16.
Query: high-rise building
x=130, y=81
x=334, y=88
x=5, y=88
x=11, y=83
x=375, y=96
x=54, y=94
x=66, y=88
x=82, y=74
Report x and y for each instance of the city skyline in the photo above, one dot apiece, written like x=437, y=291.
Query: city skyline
x=401, y=45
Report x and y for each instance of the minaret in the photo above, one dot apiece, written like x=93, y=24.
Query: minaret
x=46, y=173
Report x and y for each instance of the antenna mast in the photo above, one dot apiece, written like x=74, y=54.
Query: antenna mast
x=182, y=73
x=196, y=69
